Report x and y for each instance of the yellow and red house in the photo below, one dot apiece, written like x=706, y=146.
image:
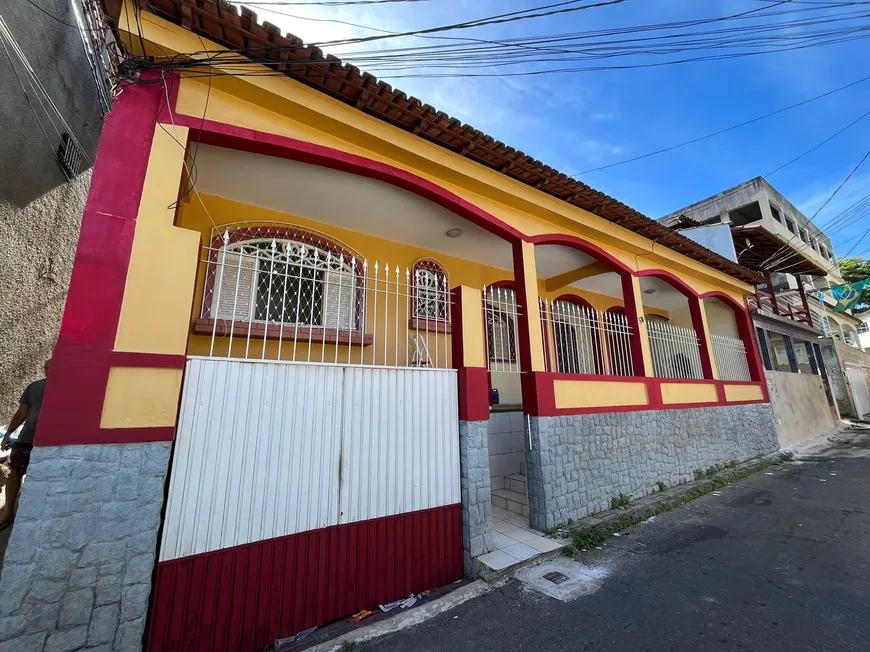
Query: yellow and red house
x=302, y=291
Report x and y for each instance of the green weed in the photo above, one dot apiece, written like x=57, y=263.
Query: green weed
x=620, y=501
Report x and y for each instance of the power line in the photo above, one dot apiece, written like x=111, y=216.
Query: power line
x=723, y=131
x=826, y=202
x=327, y=3
x=39, y=90
x=61, y=20
x=483, y=53
x=552, y=10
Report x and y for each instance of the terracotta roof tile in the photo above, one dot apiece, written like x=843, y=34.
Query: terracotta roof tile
x=223, y=24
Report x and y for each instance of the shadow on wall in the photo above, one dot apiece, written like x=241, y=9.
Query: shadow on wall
x=32, y=131
x=37, y=249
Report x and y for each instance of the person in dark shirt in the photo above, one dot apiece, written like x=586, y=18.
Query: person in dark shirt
x=19, y=458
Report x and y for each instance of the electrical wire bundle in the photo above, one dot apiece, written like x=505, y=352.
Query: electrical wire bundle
x=762, y=30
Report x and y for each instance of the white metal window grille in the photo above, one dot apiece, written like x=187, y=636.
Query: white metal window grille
x=315, y=301
x=430, y=291
x=285, y=282
x=581, y=339
x=676, y=351
x=731, y=358
x=500, y=316
x=619, y=334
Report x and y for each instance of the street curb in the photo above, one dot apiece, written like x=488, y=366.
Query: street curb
x=410, y=618
x=655, y=501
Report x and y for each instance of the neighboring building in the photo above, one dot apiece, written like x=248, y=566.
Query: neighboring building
x=52, y=108
x=863, y=330
x=314, y=323
x=791, y=311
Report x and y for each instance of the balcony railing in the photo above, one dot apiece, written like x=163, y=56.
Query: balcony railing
x=502, y=341
x=676, y=351
x=731, y=358
x=296, y=300
x=778, y=305
x=580, y=340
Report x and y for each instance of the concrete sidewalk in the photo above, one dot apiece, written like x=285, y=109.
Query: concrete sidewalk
x=778, y=561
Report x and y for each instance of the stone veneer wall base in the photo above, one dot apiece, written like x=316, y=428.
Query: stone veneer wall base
x=578, y=463
x=475, y=490
x=77, y=571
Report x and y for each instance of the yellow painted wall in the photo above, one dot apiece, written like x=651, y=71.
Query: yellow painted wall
x=473, y=344
x=681, y=317
x=138, y=397
x=585, y=394
x=160, y=279
x=675, y=393
x=743, y=393
x=156, y=313
x=720, y=318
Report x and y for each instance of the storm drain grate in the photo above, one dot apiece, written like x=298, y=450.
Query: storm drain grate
x=556, y=577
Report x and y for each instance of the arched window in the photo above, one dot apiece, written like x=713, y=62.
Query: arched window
x=288, y=277
x=430, y=291
x=501, y=327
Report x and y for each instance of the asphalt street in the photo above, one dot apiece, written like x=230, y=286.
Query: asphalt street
x=779, y=561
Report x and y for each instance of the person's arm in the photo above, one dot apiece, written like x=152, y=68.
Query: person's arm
x=17, y=419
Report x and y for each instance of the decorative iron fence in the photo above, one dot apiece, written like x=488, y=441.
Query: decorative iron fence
x=502, y=339
x=676, y=351
x=277, y=293
x=581, y=340
x=731, y=358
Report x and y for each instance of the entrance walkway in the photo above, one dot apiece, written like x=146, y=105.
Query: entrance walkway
x=515, y=541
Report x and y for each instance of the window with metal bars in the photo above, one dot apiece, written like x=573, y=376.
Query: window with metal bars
x=430, y=291
x=762, y=347
x=789, y=348
x=285, y=289
x=500, y=306
x=811, y=356
x=502, y=338
x=285, y=282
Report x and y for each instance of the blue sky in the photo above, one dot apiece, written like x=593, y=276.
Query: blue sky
x=578, y=121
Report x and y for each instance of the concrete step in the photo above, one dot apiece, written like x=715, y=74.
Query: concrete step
x=513, y=501
x=516, y=482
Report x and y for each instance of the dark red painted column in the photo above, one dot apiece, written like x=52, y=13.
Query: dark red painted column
x=473, y=381
x=747, y=333
x=80, y=363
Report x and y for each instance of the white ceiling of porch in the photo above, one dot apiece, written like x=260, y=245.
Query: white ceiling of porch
x=372, y=207
x=665, y=296
x=344, y=200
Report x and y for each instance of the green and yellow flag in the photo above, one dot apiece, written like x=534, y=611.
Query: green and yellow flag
x=848, y=294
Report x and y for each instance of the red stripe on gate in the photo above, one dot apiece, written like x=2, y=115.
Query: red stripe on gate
x=242, y=598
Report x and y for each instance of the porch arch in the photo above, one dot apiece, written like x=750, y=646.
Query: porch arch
x=745, y=332
x=601, y=269
x=671, y=346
